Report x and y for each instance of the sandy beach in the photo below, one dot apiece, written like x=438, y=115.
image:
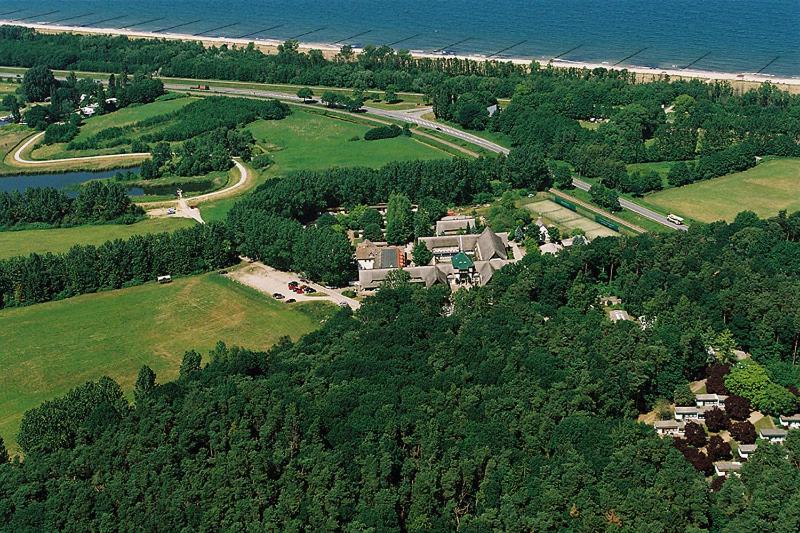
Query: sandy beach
x=741, y=81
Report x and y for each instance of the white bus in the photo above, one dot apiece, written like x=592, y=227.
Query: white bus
x=675, y=219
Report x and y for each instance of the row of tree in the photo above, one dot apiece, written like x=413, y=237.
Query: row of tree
x=114, y=264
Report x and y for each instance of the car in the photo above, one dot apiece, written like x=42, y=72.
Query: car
x=309, y=290
x=293, y=284
x=291, y=301
x=344, y=304
x=304, y=280
x=171, y=211
x=278, y=296
x=298, y=291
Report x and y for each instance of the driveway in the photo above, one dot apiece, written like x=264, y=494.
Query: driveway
x=269, y=281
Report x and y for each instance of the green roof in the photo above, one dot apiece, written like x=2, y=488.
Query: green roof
x=462, y=262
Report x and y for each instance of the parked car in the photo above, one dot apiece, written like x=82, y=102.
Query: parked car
x=291, y=301
x=278, y=296
x=344, y=304
x=171, y=211
x=304, y=280
x=309, y=290
x=293, y=284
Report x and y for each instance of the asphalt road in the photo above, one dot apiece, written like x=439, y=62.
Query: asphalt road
x=429, y=124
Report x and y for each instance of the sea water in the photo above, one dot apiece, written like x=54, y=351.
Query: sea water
x=741, y=36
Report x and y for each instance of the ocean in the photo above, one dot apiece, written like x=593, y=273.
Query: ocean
x=736, y=36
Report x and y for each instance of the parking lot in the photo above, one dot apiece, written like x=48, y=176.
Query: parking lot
x=271, y=281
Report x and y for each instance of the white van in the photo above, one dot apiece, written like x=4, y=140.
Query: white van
x=675, y=219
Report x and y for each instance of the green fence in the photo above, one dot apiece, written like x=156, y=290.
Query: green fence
x=607, y=223
x=569, y=205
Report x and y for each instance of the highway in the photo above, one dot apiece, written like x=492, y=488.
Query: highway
x=412, y=118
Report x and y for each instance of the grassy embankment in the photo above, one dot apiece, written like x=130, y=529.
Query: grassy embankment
x=46, y=349
x=765, y=189
x=309, y=140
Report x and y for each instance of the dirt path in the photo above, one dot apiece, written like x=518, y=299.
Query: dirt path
x=19, y=158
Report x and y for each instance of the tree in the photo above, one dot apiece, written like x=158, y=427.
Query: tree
x=3, y=452
x=715, y=378
x=737, y=408
x=744, y=432
x=680, y=174
x=527, y=168
x=695, y=434
x=372, y=232
x=751, y=381
x=390, y=96
x=561, y=175
x=470, y=112
x=37, y=117
x=330, y=98
x=421, y=254
x=718, y=449
x=190, y=364
x=10, y=102
x=683, y=396
x=716, y=420
x=399, y=219
x=723, y=345
x=605, y=197
x=145, y=382
x=306, y=94
x=37, y=83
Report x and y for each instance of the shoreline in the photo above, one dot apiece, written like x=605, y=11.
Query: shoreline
x=742, y=79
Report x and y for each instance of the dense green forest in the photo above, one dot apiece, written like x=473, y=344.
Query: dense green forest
x=96, y=202
x=513, y=412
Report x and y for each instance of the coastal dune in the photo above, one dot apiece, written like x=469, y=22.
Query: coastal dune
x=740, y=81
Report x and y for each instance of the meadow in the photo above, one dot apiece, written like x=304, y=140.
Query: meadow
x=47, y=349
x=59, y=240
x=315, y=141
x=765, y=189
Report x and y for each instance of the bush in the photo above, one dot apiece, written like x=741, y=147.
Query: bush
x=383, y=132
x=349, y=293
x=60, y=133
x=683, y=396
x=262, y=161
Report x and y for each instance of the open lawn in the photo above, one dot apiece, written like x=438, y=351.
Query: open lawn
x=62, y=239
x=47, y=349
x=772, y=185
x=308, y=140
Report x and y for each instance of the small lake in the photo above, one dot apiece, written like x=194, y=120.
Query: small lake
x=64, y=180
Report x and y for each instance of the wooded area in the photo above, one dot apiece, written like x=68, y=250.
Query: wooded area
x=406, y=417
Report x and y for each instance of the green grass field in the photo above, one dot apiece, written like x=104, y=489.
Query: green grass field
x=47, y=349
x=767, y=188
x=307, y=140
x=62, y=239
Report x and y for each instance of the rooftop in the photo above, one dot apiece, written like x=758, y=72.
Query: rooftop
x=728, y=466
x=769, y=432
x=461, y=261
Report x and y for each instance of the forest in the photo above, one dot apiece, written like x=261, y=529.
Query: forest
x=97, y=202
x=512, y=412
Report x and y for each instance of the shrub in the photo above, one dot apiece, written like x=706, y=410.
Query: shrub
x=383, y=132
x=262, y=161
x=683, y=396
x=349, y=293
x=59, y=133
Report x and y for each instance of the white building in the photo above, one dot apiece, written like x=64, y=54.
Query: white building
x=791, y=421
x=746, y=450
x=710, y=400
x=723, y=468
x=669, y=428
x=774, y=436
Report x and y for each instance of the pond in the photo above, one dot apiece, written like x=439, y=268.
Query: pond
x=64, y=180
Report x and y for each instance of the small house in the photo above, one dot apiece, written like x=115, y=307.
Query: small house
x=455, y=225
x=745, y=450
x=710, y=400
x=774, y=436
x=723, y=468
x=791, y=421
x=687, y=413
x=669, y=428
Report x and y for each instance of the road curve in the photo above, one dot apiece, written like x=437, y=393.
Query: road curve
x=20, y=159
x=432, y=125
